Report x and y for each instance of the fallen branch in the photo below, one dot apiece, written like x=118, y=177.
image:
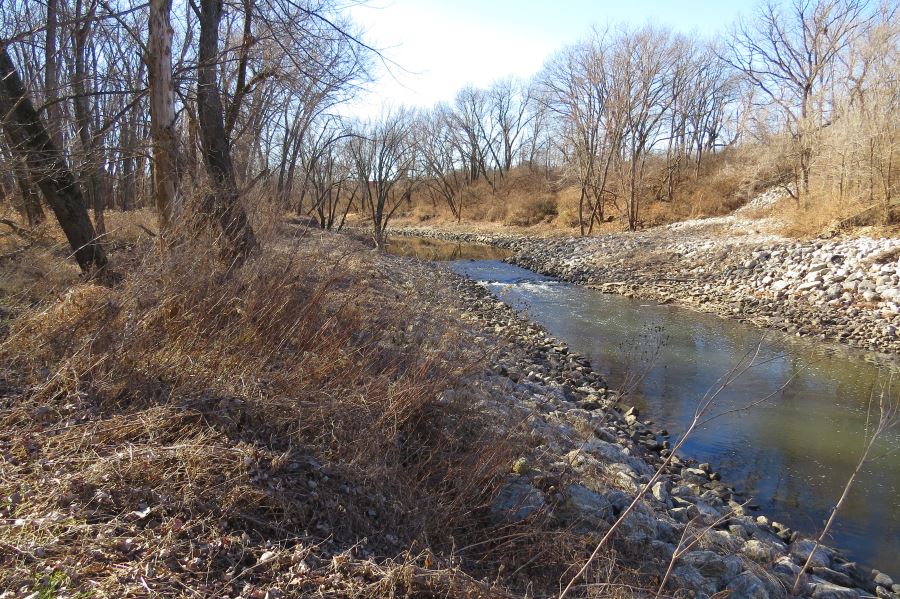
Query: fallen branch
x=23, y=233
x=146, y=230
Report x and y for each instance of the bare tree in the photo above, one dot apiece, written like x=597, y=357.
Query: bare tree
x=51, y=75
x=643, y=60
x=507, y=107
x=84, y=117
x=790, y=55
x=30, y=140
x=712, y=92
x=443, y=161
x=383, y=158
x=162, y=109
x=224, y=202
x=469, y=115
x=536, y=138
x=578, y=89
x=327, y=162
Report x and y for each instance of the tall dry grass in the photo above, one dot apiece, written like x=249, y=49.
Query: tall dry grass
x=194, y=429
x=548, y=202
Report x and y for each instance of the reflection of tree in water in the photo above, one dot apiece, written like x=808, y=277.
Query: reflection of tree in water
x=792, y=455
x=437, y=250
x=641, y=352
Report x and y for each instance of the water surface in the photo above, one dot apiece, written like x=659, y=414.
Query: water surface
x=792, y=454
x=435, y=249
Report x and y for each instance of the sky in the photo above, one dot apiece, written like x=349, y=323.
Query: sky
x=439, y=46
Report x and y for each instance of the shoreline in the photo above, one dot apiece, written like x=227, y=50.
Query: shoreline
x=779, y=285
x=612, y=452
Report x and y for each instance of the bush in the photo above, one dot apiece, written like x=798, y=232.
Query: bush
x=532, y=211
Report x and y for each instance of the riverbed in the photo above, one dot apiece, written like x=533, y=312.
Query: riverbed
x=792, y=453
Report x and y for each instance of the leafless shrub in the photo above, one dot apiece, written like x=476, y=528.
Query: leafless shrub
x=882, y=416
x=642, y=353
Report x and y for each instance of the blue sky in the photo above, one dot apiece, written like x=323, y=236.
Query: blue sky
x=443, y=45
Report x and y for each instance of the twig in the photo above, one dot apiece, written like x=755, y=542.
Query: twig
x=682, y=549
x=703, y=406
x=889, y=416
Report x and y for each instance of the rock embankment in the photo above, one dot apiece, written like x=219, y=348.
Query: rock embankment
x=845, y=290
x=592, y=455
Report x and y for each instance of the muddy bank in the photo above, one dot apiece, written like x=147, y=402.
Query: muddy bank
x=593, y=453
x=845, y=290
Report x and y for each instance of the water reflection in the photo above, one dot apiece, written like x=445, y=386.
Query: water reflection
x=793, y=454
x=437, y=250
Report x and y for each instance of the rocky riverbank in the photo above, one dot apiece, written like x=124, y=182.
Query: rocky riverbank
x=592, y=455
x=845, y=290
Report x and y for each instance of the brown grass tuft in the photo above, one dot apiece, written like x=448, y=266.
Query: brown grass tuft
x=168, y=432
x=314, y=421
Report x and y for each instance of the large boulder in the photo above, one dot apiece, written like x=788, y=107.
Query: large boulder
x=517, y=500
x=685, y=577
x=640, y=526
x=801, y=550
x=708, y=563
x=747, y=586
x=827, y=590
x=586, y=508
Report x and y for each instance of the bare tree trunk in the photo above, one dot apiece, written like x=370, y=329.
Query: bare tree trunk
x=83, y=118
x=31, y=202
x=581, y=210
x=51, y=77
x=49, y=171
x=224, y=204
x=128, y=175
x=633, y=196
x=162, y=110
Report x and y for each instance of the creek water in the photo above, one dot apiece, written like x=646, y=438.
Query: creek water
x=792, y=454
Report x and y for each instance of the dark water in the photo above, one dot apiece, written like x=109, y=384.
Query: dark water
x=792, y=454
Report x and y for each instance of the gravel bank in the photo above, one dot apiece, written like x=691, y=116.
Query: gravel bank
x=592, y=454
x=845, y=290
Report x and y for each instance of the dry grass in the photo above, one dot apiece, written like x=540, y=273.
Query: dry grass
x=804, y=220
x=311, y=423
x=533, y=201
x=824, y=213
x=193, y=430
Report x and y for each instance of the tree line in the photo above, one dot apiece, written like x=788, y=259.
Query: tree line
x=202, y=105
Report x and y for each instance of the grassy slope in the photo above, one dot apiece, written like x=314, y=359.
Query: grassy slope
x=190, y=431
x=535, y=202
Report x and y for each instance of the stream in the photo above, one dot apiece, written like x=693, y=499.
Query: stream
x=792, y=454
